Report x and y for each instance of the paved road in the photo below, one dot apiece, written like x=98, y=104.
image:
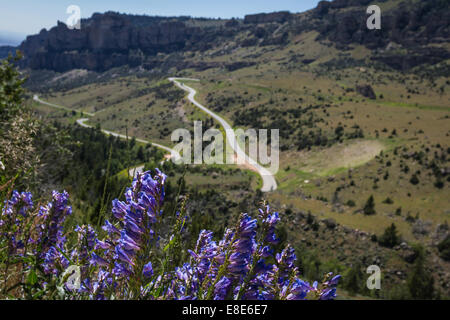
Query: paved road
x=269, y=182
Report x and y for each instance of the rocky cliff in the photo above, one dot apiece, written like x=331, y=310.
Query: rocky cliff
x=412, y=33
x=416, y=29
x=112, y=39
x=409, y=23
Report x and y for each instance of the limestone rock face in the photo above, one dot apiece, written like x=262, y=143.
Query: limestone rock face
x=109, y=40
x=412, y=33
x=413, y=25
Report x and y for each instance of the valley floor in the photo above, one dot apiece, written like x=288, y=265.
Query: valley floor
x=338, y=148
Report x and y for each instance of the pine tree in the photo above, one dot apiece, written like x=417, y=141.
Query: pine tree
x=390, y=238
x=444, y=248
x=420, y=282
x=369, y=207
x=353, y=279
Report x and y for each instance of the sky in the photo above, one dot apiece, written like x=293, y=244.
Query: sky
x=23, y=17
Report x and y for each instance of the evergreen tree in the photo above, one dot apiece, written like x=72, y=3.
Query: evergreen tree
x=444, y=248
x=369, y=207
x=17, y=128
x=11, y=90
x=420, y=282
x=353, y=279
x=390, y=238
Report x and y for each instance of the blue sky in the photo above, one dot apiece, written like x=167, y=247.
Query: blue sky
x=19, y=17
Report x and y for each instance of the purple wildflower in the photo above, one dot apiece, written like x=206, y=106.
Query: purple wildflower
x=221, y=289
x=148, y=270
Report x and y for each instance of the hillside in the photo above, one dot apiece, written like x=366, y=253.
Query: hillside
x=419, y=29
x=6, y=50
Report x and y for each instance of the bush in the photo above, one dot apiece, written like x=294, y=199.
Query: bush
x=439, y=184
x=414, y=179
x=351, y=203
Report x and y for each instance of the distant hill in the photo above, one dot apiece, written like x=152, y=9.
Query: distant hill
x=5, y=50
x=417, y=30
x=8, y=38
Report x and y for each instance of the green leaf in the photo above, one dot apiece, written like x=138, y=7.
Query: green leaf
x=32, y=278
x=171, y=242
x=65, y=256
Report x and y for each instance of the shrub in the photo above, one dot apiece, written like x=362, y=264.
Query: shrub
x=439, y=184
x=351, y=203
x=414, y=179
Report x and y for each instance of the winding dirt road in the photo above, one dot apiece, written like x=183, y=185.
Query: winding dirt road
x=82, y=122
x=269, y=182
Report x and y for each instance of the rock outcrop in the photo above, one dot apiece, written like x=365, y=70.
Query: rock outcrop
x=408, y=23
x=279, y=17
x=414, y=25
x=111, y=39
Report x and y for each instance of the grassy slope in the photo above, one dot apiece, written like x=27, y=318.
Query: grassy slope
x=420, y=119
x=285, y=82
x=416, y=108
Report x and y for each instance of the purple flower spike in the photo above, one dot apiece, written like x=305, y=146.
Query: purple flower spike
x=148, y=270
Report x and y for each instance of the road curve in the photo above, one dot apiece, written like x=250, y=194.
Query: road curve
x=36, y=98
x=269, y=182
x=173, y=153
x=82, y=122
